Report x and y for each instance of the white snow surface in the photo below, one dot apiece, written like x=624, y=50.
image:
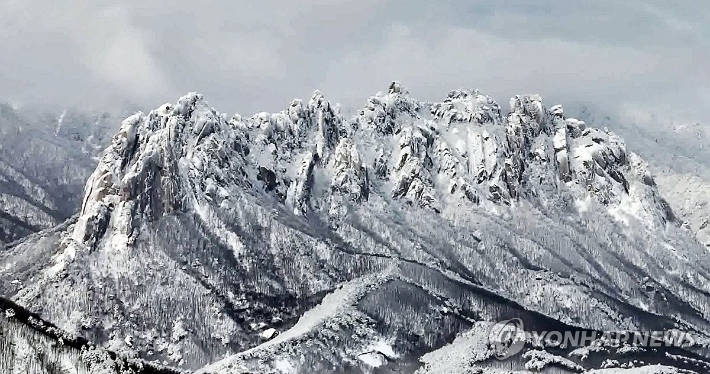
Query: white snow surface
x=404, y=217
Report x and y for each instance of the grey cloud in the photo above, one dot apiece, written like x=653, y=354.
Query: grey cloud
x=253, y=56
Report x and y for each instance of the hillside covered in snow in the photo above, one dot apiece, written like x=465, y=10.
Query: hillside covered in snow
x=303, y=241
x=31, y=345
x=45, y=159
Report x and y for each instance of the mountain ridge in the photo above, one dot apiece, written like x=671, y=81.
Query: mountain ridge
x=248, y=223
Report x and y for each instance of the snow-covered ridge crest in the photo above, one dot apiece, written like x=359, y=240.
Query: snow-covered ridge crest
x=312, y=159
x=203, y=234
x=153, y=159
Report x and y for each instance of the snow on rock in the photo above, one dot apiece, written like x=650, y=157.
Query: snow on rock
x=350, y=175
x=525, y=122
x=310, y=157
x=294, y=216
x=374, y=359
x=331, y=318
x=299, y=192
x=350, y=178
x=180, y=149
x=539, y=360
x=385, y=113
x=560, y=143
x=269, y=333
x=651, y=369
x=557, y=110
x=460, y=355
x=413, y=180
x=467, y=106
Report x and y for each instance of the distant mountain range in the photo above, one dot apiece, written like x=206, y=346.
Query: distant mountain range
x=44, y=162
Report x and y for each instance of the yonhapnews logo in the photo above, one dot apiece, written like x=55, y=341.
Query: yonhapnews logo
x=508, y=338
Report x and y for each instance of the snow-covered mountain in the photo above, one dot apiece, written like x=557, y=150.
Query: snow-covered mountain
x=679, y=158
x=44, y=162
x=31, y=345
x=303, y=241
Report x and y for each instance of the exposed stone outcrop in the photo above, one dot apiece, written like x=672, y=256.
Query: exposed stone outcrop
x=311, y=158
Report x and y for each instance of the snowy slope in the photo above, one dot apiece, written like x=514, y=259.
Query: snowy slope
x=30, y=345
x=679, y=158
x=44, y=162
x=681, y=166
x=364, y=243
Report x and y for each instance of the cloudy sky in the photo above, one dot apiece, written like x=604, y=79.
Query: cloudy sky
x=631, y=57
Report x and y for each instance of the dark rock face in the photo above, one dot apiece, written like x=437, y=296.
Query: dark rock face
x=363, y=242
x=268, y=177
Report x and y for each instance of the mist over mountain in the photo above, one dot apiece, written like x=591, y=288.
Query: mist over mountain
x=45, y=158
x=678, y=156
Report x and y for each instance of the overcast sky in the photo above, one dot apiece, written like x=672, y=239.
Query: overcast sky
x=632, y=57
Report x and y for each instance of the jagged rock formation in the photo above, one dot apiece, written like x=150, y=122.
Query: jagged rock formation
x=362, y=242
x=678, y=158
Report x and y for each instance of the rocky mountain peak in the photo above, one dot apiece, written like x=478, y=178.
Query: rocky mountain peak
x=150, y=166
x=183, y=155
x=467, y=106
x=203, y=235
